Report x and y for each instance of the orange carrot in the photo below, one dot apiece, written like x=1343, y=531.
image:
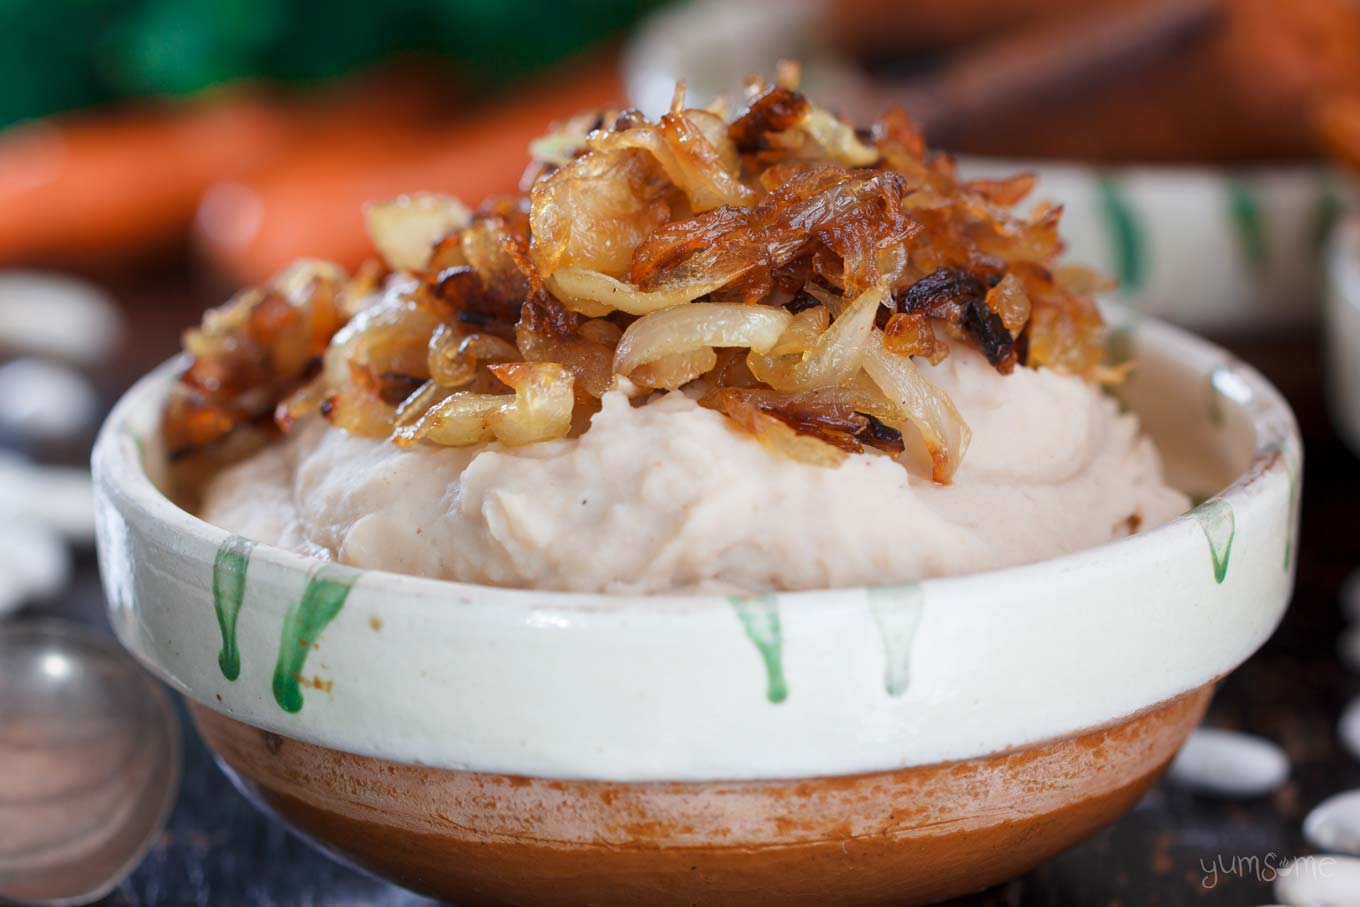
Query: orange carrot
x=1337, y=122
x=91, y=188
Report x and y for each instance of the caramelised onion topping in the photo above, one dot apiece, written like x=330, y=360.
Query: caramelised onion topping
x=785, y=265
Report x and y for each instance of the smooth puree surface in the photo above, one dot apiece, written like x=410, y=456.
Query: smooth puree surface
x=670, y=497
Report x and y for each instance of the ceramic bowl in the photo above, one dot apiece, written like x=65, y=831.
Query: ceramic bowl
x=1343, y=330
x=856, y=746
x=1218, y=249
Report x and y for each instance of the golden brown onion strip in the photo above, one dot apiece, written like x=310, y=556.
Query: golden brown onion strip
x=539, y=410
x=688, y=328
x=928, y=408
x=833, y=359
x=405, y=229
x=594, y=294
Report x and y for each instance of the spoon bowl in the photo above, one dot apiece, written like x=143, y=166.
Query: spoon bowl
x=90, y=756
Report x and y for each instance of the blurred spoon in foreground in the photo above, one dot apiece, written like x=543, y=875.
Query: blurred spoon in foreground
x=90, y=756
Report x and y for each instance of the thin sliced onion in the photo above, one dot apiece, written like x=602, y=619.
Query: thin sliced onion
x=453, y=359
x=838, y=139
x=593, y=212
x=802, y=333
x=687, y=328
x=356, y=408
x=928, y=408
x=543, y=402
x=1010, y=302
x=833, y=302
x=590, y=361
x=676, y=370
x=780, y=439
x=462, y=419
x=834, y=358
x=539, y=410
x=419, y=403
x=564, y=142
x=714, y=128
x=300, y=279
x=389, y=336
x=912, y=334
x=594, y=294
x=689, y=160
x=301, y=403
x=405, y=229
x=601, y=330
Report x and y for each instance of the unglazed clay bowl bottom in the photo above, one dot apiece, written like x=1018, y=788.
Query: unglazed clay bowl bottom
x=888, y=745
x=905, y=837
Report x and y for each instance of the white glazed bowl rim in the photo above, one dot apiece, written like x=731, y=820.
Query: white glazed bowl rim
x=703, y=716
x=1271, y=417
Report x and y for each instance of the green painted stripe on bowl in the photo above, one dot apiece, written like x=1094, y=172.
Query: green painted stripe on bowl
x=897, y=612
x=1215, y=517
x=321, y=601
x=760, y=619
x=229, y=593
x=1125, y=234
x=1244, y=212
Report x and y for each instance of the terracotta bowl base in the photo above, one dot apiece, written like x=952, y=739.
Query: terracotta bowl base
x=903, y=838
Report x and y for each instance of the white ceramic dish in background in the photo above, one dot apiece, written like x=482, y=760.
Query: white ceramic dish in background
x=1214, y=249
x=1343, y=330
x=630, y=693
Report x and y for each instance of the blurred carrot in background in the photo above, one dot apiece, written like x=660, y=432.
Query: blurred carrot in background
x=312, y=204
x=94, y=188
x=133, y=177
x=116, y=119
x=1338, y=127
x=1247, y=94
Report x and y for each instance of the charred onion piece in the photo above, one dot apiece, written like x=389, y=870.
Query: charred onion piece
x=775, y=110
x=960, y=298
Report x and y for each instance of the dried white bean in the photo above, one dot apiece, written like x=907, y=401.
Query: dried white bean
x=58, y=498
x=1349, y=727
x=1320, y=881
x=57, y=315
x=34, y=562
x=1334, y=826
x=44, y=400
x=1230, y=765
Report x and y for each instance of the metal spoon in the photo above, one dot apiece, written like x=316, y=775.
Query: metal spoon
x=90, y=757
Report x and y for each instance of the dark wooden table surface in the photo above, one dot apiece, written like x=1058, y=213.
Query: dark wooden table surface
x=219, y=851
